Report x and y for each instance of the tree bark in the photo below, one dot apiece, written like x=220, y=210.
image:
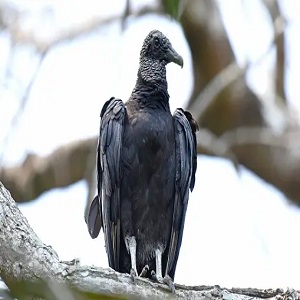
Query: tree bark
x=32, y=269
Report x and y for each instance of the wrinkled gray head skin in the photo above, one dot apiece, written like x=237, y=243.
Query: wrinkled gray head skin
x=156, y=53
x=157, y=47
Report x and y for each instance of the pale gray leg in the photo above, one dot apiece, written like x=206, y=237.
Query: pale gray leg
x=158, y=255
x=158, y=275
x=131, y=248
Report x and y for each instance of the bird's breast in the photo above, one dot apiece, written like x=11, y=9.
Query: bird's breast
x=152, y=131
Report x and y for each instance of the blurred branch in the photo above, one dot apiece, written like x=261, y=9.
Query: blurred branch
x=222, y=103
x=210, y=144
x=31, y=82
x=42, y=45
x=275, y=157
x=32, y=269
x=209, y=94
x=279, y=26
x=35, y=175
x=66, y=165
x=23, y=102
x=226, y=77
x=280, y=60
x=261, y=136
x=21, y=36
x=126, y=14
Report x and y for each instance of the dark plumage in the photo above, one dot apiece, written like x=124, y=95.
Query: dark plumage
x=146, y=164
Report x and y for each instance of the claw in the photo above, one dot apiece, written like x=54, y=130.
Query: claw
x=154, y=277
x=144, y=271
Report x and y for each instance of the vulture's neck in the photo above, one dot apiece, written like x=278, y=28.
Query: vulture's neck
x=151, y=88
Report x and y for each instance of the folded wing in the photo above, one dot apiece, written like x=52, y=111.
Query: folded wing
x=186, y=163
x=105, y=208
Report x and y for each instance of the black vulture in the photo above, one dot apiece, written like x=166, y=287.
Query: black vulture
x=146, y=164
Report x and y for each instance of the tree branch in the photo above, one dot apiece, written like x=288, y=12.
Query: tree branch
x=66, y=165
x=279, y=41
x=222, y=102
x=32, y=269
x=20, y=36
x=23, y=102
x=233, y=72
x=261, y=145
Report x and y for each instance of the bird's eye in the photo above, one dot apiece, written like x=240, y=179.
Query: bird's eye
x=156, y=42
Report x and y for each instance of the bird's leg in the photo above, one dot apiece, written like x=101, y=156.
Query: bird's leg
x=158, y=255
x=131, y=248
x=158, y=275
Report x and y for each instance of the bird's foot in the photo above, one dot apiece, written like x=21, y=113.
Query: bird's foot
x=144, y=271
x=167, y=280
x=133, y=274
x=155, y=278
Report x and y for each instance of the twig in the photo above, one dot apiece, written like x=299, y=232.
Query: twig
x=17, y=116
x=278, y=26
x=211, y=143
x=80, y=30
x=44, y=46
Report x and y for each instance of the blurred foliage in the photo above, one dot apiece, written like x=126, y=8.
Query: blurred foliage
x=172, y=8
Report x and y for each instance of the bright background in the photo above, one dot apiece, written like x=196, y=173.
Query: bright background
x=241, y=232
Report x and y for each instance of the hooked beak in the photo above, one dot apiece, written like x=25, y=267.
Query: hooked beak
x=173, y=56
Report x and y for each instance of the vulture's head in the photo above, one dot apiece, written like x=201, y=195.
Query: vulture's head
x=158, y=49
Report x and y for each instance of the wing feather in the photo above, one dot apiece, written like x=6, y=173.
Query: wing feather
x=94, y=220
x=186, y=164
x=109, y=151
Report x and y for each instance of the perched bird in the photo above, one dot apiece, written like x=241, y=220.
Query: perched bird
x=146, y=164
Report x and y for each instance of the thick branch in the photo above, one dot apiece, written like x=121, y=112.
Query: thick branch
x=31, y=268
x=68, y=164
x=258, y=148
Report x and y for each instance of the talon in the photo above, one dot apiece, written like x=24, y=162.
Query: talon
x=133, y=274
x=169, y=282
x=154, y=277
x=144, y=271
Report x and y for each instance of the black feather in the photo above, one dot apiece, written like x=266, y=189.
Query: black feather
x=94, y=220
